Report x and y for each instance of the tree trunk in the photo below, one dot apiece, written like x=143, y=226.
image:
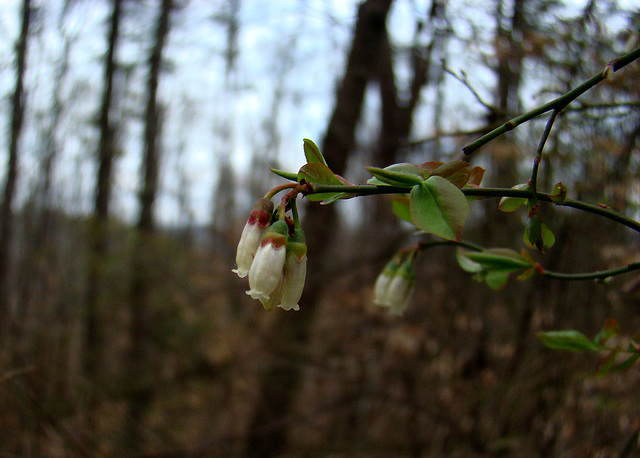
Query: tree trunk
x=18, y=109
x=267, y=434
x=98, y=230
x=397, y=119
x=152, y=115
x=139, y=368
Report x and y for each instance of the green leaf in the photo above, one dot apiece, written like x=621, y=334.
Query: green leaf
x=401, y=207
x=532, y=233
x=293, y=176
x=315, y=172
x=312, y=152
x=457, y=172
x=496, y=280
x=545, y=238
x=494, y=265
x=548, y=239
x=325, y=197
x=476, y=175
x=559, y=193
x=467, y=264
x=330, y=197
x=570, y=340
x=500, y=260
x=402, y=174
x=509, y=204
x=627, y=363
x=430, y=166
x=438, y=207
x=608, y=363
x=610, y=329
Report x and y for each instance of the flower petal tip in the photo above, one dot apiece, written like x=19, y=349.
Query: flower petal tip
x=295, y=307
x=240, y=273
x=257, y=295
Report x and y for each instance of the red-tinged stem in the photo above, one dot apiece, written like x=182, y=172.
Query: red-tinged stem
x=277, y=189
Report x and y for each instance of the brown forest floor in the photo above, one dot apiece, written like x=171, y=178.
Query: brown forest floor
x=460, y=374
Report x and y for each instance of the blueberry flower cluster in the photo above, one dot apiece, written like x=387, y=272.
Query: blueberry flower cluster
x=274, y=256
x=395, y=285
x=272, y=252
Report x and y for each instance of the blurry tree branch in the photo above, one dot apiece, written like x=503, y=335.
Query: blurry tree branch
x=557, y=104
x=465, y=81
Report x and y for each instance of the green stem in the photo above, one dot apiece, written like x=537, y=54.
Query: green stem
x=578, y=205
x=358, y=190
x=368, y=190
x=598, y=275
x=294, y=213
x=555, y=104
x=533, y=182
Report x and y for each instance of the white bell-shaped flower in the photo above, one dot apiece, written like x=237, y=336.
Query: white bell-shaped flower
x=395, y=287
x=382, y=283
x=295, y=269
x=252, y=234
x=268, y=264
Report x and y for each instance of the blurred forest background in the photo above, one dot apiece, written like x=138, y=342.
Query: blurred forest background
x=136, y=136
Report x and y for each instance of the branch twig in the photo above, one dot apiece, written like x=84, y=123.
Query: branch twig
x=369, y=190
x=556, y=104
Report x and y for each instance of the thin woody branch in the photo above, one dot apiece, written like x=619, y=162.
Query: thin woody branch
x=555, y=104
x=368, y=190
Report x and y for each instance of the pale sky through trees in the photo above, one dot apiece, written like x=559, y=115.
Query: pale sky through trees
x=319, y=32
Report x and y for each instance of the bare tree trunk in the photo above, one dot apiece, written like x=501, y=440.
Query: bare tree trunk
x=18, y=109
x=98, y=233
x=268, y=433
x=49, y=136
x=397, y=115
x=510, y=33
x=139, y=368
x=41, y=247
